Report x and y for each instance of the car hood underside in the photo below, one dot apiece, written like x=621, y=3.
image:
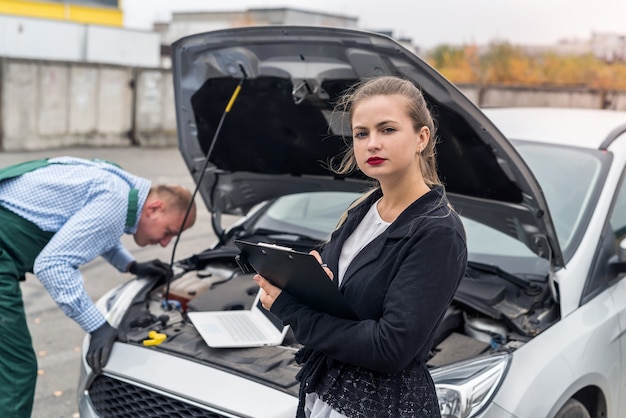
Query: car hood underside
x=258, y=101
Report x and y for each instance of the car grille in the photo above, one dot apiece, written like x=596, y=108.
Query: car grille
x=114, y=398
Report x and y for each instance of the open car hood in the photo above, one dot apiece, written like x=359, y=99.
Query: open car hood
x=278, y=132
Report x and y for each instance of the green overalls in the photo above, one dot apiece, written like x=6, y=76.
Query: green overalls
x=21, y=242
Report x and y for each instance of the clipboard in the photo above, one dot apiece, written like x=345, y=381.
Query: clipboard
x=295, y=272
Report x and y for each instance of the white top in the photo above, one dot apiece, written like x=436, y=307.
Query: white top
x=371, y=226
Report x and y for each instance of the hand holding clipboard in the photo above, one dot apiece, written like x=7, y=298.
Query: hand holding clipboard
x=295, y=272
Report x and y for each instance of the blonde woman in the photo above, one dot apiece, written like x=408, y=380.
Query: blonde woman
x=397, y=258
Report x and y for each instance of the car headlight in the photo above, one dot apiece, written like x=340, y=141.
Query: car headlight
x=464, y=389
x=116, y=302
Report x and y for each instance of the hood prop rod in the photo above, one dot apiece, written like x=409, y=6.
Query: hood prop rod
x=166, y=302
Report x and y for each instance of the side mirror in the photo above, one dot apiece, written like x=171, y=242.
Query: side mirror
x=622, y=250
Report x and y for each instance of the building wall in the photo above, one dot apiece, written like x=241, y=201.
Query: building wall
x=609, y=47
x=25, y=37
x=55, y=104
x=98, y=12
x=46, y=105
x=155, y=117
x=22, y=38
x=187, y=23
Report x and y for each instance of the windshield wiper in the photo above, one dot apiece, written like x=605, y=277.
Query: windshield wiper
x=532, y=289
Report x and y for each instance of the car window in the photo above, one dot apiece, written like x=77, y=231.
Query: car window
x=618, y=216
x=569, y=178
x=311, y=214
x=601, y=273
x=482, y=239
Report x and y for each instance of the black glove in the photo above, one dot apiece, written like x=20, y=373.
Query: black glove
x=100, y=347
x=155, y=268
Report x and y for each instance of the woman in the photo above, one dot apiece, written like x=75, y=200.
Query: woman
x=397, y=258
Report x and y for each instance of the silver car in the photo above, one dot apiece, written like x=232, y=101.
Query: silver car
x=536, y=329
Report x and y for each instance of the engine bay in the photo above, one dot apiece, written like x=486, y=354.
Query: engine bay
x=488, y=314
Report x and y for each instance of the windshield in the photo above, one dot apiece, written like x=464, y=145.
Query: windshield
x=312, y=215
x=570, y=180
x=569, y=177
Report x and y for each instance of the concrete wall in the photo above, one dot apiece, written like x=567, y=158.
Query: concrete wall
x=155, y=117
x=496, y=96
x=53, y=104
x=47, y=105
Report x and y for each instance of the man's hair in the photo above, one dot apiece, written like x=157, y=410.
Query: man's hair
x=177, y=197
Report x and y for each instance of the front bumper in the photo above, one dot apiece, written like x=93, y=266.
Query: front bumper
x=143, y=382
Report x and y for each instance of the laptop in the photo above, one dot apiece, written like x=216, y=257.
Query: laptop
x=256, y=327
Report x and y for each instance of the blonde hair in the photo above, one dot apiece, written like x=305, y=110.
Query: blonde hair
x=417, y=110
x=177, y=197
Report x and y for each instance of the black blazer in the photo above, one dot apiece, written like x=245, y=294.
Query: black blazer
x=399, y=285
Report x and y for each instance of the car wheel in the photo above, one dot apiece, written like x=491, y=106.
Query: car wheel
x=573, y=409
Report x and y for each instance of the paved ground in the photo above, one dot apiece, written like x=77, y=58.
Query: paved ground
x=56, y=338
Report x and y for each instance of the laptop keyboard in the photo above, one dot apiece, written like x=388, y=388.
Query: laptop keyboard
x=241, y=328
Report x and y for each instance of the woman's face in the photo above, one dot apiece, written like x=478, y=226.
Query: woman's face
x=386, y=146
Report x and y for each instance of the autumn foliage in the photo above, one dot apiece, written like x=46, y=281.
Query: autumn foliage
x=505, y=64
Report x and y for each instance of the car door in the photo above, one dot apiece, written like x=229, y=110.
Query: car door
x=617, y=225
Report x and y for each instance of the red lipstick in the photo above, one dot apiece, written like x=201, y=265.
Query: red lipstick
x=375, y=160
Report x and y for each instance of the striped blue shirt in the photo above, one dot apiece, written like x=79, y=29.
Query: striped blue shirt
x=85, y=204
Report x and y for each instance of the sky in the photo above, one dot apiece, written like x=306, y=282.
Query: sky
x=430, y=23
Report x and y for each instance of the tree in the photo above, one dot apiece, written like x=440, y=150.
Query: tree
x=505, y=64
